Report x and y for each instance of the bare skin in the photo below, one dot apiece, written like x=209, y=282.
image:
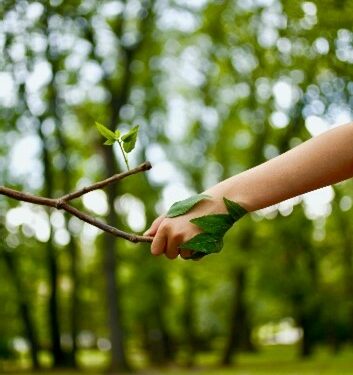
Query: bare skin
x=321, y=161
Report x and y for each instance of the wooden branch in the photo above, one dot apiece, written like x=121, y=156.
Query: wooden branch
x=19, y=196
x=100, y=185
x=107, y=228
x=62, y=203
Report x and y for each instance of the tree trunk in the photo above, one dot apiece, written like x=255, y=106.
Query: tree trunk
x=306, y=307
x=307, y=344
x=189, y=319
x=53, y=317
x=157, y=341
x=118, y=359
x=167, y=344
x=72, y=247
x=344, y=225
x=240, y=331
x=119, y=97
x=75, y=312
x=24, y=309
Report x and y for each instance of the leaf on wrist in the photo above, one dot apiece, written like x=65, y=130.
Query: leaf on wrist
x=182, y=207
x=197, y=255
x=235, y=211
x=216, y=224
x=214, y=228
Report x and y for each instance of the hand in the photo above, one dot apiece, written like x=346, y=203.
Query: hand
x=169, y=233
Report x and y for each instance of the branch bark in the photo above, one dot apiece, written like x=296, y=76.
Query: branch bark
x=62, y=203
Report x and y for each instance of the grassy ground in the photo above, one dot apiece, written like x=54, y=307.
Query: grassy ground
x=277, y=361
x=270, y=360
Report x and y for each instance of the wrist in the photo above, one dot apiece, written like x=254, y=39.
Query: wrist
x=235, y=190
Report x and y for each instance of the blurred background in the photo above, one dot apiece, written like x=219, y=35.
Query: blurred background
x=216, y=87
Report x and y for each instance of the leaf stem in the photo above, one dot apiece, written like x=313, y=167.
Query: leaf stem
x=124, y=155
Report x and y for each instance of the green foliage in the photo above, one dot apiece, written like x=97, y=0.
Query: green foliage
x=206, y=243
x=214, y=226
x=126, y=141
x=129, y=139
x=106, y=133
x=182, y=207
x=234, y=209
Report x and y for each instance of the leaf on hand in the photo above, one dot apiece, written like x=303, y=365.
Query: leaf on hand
x=197, y=255
x=235, y=211
x=204, y=242
x=217, y=224
x=182, y=207
x=129, y=139
x=214, y=228
x=106, y=133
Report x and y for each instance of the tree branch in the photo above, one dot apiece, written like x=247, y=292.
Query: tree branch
x=100, y=185
x=62, y=203
x=107, y=228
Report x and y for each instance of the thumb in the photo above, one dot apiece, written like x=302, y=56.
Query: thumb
x=154, y=227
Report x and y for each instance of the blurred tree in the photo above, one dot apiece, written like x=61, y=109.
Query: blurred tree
x=216, y=87
x=24, y=306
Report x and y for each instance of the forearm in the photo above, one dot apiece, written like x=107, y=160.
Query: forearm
x=321, y=161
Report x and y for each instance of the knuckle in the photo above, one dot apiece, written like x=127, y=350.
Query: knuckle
x=178, y=237
x=158, y=220
x=164, y=227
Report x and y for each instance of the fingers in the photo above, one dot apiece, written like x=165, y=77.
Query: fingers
x=193, y=255
x=185, y=254
x=172, y=246
x=167, y=238
x=159, y=242
x=152, y=230
x=168, y=245
x=165, y=241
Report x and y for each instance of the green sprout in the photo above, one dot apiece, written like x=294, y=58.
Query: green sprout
x=125, y=141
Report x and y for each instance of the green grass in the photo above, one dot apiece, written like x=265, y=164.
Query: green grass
x=275, y=360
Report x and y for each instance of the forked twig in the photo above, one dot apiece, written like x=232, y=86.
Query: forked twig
x=62, y=203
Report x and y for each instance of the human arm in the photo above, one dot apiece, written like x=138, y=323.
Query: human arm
x=320, y=161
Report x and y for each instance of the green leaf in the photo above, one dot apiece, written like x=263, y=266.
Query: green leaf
x=117, y=134
x=129, y=139
x=182, y=207
x=204, y=242
x=196, y=255
x=236, y=211
x=217, y=224
x=214, y=228
x=109, y=142
x=106, y=133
